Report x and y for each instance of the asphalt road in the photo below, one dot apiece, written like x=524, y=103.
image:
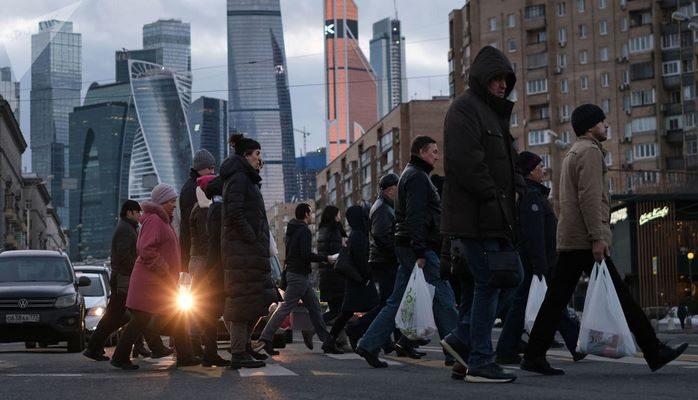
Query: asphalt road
x=299, y=373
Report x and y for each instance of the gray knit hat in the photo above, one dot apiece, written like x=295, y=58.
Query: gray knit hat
x=162, y=193
x=202, y=159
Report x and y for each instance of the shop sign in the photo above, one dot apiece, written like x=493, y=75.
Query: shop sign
x=654, y=214
x=619, y=215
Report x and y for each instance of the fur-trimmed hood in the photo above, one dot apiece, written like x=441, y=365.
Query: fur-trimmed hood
x=150, y=208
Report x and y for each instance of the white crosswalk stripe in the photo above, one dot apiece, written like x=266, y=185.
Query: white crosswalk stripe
x=267, y=370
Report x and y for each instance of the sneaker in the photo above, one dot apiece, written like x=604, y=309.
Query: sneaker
x=244, y=360
x=508, y=359
x=665, y=355
x=540, y=365
x=456, y=348
x=162, y=353
x=188, y=361
x=371, y=358
x=458, y=371
x=214, y=361
x=490, y=373
x=95, y=355
x=262, y=344
x=128, y=365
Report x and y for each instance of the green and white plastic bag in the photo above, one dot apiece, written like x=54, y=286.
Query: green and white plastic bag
x=415, y=316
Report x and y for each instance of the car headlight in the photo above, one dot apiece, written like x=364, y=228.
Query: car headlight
x=66, y=301
x=96, y=311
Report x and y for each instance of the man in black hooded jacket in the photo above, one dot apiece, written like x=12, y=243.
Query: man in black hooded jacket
x=478, y=201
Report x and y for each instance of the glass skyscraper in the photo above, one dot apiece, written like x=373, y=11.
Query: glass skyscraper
x=388, y=62
x=259, y=103
x=171, y=40
x=162, y=148
x=56, y=83
x=9, y=90
x=208, y=124
x=101, y=141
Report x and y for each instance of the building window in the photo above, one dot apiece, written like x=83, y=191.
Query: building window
x=603, y=28
x=564, y=86
x=642, y=98
x=583, y=31
x=624, y=51
x=645, y=150
x=514, y=119
x=584, y=82
x=511, y=21
x=624, y=24
x=605, y=79
x=545, y=159
x=561, y=9
x=626, y=77
x=562, y=35
x=565, y=112
x=609, y=159
x=511, y=45
x=581, y=6
x=603, y=54
x=562, y=60
x=493, y=44
x=641, y=44
x=670, y=68
x=606, y=107
x=583, y=57
x=536, y=138
x=565, y=137
x=539, y=112
x=673, y=123
x=535, y=11
x=670, y=41
x=514, y=95
x=537, y=86
x=690, y=119
x=644, y=124
x=689, y=92
x=691, y=146
x=602, y=4
x=687, y=65
x=492, y=23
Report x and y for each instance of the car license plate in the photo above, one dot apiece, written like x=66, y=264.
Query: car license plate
x=20, y=318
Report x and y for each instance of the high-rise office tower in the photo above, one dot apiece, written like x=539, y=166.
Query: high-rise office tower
x=388, y=62
x=9, y=90
x=350, y=81
x=171, y=40
x=208, y=124
x=259, y=103
x=56, y=83
x=307, y=168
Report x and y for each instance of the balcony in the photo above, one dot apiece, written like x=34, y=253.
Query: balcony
x=536, y=47
x=534, y=23
x=691, y=161
x=674, y=163
x=674, y=136
x=671, y=82
x=671, y=108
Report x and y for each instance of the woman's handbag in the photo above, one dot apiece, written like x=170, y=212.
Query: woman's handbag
x=345, y=267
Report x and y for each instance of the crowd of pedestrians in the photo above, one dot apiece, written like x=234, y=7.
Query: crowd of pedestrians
x=486, y=228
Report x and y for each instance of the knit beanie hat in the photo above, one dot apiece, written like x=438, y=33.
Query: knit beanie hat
x=585, y=117
x=387, y=181
x=202, y=159
x=203, y=181
x=162, y=193
x=528, y=162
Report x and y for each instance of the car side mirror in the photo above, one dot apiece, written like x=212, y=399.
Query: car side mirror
x=84, y=281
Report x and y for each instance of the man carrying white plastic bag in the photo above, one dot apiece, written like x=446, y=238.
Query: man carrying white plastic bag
x=415, y=317
x=583, y=237
x=604, y=331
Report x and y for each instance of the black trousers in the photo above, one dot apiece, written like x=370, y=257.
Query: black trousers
x=138, y=325
x=568, y=270
x=115, y=316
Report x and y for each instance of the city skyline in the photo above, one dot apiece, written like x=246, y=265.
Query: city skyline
x=426, y=59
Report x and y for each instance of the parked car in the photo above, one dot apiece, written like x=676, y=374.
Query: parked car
x=40, y=300
x=104, y=271
x=96, y=299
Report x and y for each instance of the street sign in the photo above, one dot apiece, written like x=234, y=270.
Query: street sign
x=654, y=265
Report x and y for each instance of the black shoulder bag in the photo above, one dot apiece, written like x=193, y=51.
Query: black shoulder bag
x=505, y=271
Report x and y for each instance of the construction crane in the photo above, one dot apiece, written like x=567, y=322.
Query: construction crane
x=305, y=135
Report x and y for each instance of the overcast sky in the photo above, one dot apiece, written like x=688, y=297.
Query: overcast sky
x=108, y=25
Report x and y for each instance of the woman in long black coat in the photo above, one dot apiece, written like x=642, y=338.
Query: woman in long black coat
x=358, y=296
x=249, y=289
x=331, y=238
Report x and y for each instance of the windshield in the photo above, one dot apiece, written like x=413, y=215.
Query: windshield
x=35, y=269
x=95, y=288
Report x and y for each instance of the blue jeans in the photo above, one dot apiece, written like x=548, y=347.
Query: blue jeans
x=475, y=327
x=444, y=300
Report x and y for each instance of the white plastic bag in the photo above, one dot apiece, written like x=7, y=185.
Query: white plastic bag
x=536, y=294
x=415, y=317
x=604, y=331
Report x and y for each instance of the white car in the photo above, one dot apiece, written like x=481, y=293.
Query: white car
x=96, y=297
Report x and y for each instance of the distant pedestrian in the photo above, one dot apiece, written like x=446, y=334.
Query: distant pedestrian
x=299, y=255
x=249, y=289
x=123, y=257
x=330, y=239
x=153, y=284
x=584, y=237
x=682, y=313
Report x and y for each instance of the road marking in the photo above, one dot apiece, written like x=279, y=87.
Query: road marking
x=354, y=356
x=268, y=370
x=42, y=375
x=328, y=373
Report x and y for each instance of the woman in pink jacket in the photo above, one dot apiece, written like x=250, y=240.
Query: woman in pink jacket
x=153, y=285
